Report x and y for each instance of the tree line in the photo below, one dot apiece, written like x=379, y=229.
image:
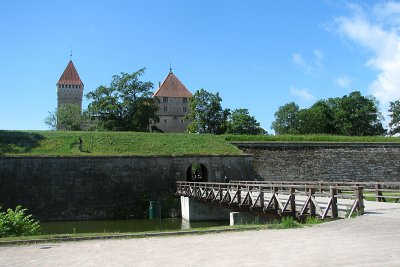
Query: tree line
x=350, y=115
x=127, y=105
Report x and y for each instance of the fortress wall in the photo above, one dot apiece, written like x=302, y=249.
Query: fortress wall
x=350, y=162
x=80, y=188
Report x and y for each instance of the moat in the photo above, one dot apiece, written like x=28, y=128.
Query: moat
x=120, y=226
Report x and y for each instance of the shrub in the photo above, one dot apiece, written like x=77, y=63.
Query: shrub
x=289, y=222
x=17, y=223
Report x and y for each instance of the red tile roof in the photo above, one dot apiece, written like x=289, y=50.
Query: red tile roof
x=70, y=75
x=172, y=87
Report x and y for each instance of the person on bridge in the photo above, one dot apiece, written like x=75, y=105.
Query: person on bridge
x=226, y=179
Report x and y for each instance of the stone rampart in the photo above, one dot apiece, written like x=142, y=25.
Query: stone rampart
x=80, y=188
x=324, y=161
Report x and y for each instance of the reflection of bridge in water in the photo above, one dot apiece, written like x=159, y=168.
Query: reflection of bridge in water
x=275, y=198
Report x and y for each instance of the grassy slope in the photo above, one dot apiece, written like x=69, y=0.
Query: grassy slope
x=59, y=143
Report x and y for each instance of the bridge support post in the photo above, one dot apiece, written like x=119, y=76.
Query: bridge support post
x=194, y=210
x=312, y=205
x=360, y=198
x=292, y=201
x=334, y=208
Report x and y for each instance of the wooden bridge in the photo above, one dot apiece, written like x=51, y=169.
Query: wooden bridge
x=280, y=198
x=321, y=199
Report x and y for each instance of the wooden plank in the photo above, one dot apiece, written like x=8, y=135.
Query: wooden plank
x=317, y=207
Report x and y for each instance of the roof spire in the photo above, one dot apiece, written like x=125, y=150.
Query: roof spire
x=70, y=53
x=170, y=66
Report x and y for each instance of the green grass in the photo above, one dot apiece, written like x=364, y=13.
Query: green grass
x=62, y=143
x=310, y=138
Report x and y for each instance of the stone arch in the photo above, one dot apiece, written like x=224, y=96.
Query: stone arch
x=197, y=172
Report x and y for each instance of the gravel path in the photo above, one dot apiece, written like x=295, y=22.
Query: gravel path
x=369, y=240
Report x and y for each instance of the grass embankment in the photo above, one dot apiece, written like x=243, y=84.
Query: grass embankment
x=61, y=143
x=311, y=138
x=284, y=224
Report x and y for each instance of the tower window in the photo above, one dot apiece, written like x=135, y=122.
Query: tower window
x=165, y=108
x=69, y=86
x=165, y=120
x=184, y=100
x=184, y=109
x=165, y=99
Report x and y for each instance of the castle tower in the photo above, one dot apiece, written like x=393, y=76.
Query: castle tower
x=70, y=87
x=173, y=105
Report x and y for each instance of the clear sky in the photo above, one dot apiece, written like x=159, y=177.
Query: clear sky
x=257, y=54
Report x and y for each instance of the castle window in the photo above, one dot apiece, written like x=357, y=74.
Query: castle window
x=165, y=108
x=165, y=120
x=184, y=109
x=184, y=100
x=69, y=86
x=165, y=99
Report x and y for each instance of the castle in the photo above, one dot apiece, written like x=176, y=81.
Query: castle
x=173, y=98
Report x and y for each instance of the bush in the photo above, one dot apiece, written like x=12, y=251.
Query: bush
x=289, y=222
x=16, y=223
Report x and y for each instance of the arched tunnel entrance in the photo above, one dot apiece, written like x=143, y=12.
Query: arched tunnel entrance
x=197, y=172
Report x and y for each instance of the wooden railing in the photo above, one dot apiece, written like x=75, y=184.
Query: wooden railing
x=279, y=198
x=378, y=191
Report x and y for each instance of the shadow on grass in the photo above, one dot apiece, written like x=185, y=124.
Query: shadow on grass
x=16, y=142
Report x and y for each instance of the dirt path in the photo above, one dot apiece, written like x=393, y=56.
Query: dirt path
x=369, y=240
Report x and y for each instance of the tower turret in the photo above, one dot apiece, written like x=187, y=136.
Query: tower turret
x=70, y=87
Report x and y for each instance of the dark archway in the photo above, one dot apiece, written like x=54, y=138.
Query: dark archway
x=197, y=172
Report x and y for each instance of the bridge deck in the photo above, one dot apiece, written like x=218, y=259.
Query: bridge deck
x=280, y=199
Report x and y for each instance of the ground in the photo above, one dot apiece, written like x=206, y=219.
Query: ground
x=369, y=240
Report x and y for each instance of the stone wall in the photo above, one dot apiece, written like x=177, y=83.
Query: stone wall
x=79, y=188
x=325, y=161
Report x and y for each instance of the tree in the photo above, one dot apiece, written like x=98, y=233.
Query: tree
x=240, y=122
x=356, y=115
x=67, y=117
x=394, y=114
x=287, y=119
x=353, y=115
x=125, y=105
x=318, y=119
x=206, y=113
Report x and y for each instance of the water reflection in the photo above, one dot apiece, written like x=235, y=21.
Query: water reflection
x=121, y=226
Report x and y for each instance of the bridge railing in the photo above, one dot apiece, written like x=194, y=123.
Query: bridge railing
x=279, y=198
x=378, y=191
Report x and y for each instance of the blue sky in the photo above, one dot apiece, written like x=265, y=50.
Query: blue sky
x=258, y=55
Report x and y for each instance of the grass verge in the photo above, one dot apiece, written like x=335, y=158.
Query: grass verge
x=63, y=143
x=311, y=138
x=285, y=224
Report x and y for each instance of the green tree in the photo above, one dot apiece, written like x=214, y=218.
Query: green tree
x=356, y=115
x=67, y=117
x=394, y=114
x=240, y=122
x=318, y=119
x=286, y=119
x=125, y=105
x=206, y=113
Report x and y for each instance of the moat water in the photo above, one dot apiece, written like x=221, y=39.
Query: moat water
x=121, y=226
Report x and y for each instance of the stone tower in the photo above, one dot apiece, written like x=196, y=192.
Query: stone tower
x=70, y=87
x=173, y=105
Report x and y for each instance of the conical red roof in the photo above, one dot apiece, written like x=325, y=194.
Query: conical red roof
x=172, y=87
x=70, y=75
